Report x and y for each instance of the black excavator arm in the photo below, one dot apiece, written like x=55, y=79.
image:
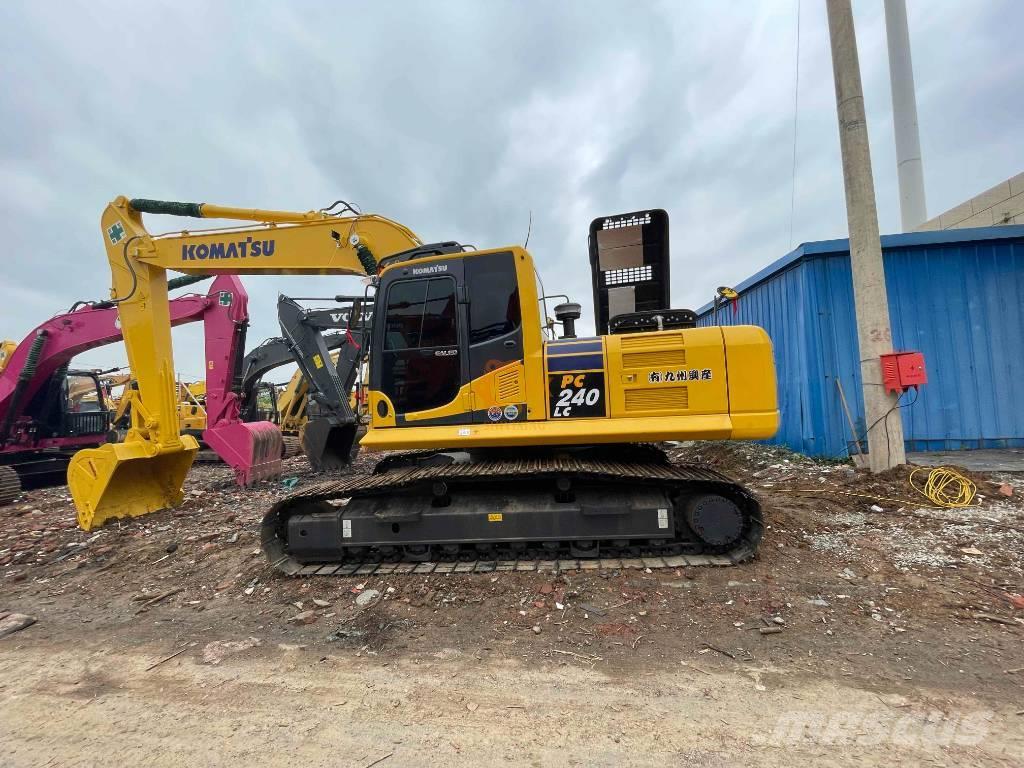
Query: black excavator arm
x=329, y=436
x=275, y=352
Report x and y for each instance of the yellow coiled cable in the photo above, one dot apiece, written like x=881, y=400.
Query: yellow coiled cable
x=945, y=487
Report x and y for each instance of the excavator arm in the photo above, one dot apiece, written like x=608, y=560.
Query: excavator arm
x=147, y=471
x=252, y=450
x=329, y=435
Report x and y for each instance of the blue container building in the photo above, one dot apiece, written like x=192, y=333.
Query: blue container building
x=955, y=295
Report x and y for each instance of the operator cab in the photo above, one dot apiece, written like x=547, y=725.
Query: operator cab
x=447, y=323
x=266, y=403
x=71, y=404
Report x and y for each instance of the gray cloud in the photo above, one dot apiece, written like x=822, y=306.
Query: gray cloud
x=460, y=118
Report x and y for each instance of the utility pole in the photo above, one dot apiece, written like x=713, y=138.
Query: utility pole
x=885, y=427
x=913, y=210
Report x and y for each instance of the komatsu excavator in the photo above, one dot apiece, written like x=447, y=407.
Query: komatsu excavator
x=522, y=448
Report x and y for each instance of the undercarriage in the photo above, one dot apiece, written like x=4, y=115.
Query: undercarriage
x=492, y=510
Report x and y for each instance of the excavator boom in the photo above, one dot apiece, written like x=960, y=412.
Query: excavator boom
x=146, y=472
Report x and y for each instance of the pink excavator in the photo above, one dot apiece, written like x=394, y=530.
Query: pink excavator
x=42, y=425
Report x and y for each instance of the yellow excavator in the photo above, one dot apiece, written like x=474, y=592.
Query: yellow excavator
x=7, y=347
x=520, y=446
x=189, y=403
x=292, y=400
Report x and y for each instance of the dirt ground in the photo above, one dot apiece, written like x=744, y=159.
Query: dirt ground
x=894, y=632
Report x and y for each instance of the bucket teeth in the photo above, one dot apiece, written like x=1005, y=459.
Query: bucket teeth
x=268, y=446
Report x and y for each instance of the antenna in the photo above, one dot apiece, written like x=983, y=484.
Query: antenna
x=529, y=228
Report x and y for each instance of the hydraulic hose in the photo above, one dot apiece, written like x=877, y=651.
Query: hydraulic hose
x=172, y=285
x=180, y=282
x=367, y=259
x=143, y=205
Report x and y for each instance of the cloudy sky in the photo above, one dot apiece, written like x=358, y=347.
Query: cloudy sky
x=459, y=118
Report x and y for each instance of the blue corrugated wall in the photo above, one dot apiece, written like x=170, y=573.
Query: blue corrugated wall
x=957, y=296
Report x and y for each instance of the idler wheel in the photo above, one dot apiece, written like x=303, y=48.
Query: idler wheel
x=716, y=520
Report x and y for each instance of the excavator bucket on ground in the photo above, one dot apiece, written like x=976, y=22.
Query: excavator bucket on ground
x=253, y=450
x=128, y=479
x=328, y=447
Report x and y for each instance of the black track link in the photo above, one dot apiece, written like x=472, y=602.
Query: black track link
x=10, y=485
x=292, y=446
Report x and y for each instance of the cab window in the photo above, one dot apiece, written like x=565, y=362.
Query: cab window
x=493, y=296
x=421, y=367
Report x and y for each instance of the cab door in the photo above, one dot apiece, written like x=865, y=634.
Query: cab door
x=422, y=365
x=495, y=336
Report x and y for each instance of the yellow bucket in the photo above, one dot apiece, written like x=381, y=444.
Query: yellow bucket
x=128, y=479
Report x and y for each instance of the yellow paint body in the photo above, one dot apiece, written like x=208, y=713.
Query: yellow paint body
x=728, y=391
x=191, y=414
x=291, y=405
x=638, y=410
x=191, y=411
x=7, y=347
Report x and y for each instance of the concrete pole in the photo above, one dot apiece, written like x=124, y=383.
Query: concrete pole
x=885, y=427
x=913, y=209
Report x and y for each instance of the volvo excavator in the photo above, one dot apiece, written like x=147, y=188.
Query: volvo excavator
x=511, y=447
x=293, y=398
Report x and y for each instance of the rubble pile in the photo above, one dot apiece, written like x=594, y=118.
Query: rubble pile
x=832, y=565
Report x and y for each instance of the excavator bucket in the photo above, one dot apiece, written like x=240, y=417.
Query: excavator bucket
x=328, y=447
x=252, y=449
x=128, y=480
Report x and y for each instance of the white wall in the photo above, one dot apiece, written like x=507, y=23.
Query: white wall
x=1003, y=204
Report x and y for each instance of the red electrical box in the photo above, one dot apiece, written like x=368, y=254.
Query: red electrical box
x=902, y=370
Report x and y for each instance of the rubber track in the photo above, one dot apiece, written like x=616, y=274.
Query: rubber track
x=664, y=473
